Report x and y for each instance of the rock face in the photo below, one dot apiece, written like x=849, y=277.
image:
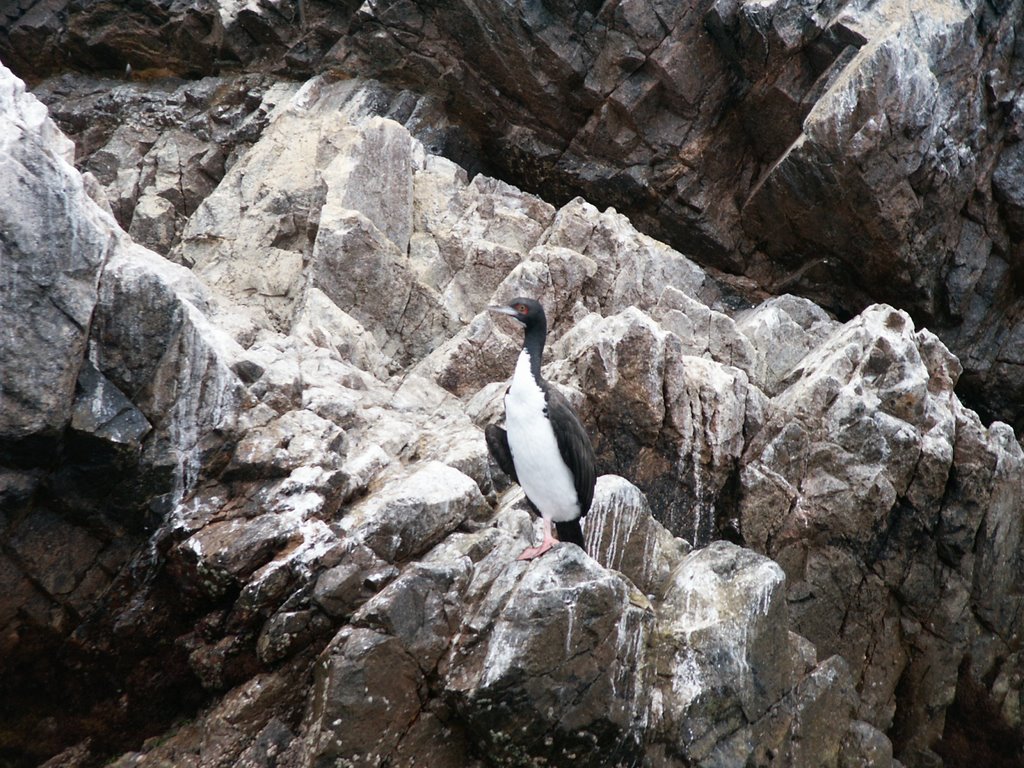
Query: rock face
x=730, y=129
x=734, y=129
x=248, y=516
x=858, y=485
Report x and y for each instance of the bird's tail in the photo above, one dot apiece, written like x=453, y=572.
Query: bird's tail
x=570, y=532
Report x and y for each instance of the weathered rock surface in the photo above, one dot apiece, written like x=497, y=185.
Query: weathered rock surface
x=884, y=500
x=253, y=520
x=848, y=152
x=52, y=270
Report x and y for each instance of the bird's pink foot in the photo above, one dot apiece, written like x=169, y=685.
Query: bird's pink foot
x=531, y=552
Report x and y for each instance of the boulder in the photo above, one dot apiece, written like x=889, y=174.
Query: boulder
x=547, y=665
x=721, y=639
x=622, y=534
x=367, y=695
x=732, y=130
x=147, y=323
x=422, y=608
x=412, y=513
x=650, y=403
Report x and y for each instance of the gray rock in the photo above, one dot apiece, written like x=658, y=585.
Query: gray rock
x=352, y=262
x=101, y=409
x=225, y=554
x=782, y=330
x=703, y=331
x=313, y=391
x=373, y=175
x=56, y=241
x=650, y=402
x=862, y=448
x=810, y=724
x=155, y=345
x=864, y=746
x=341, y=589
x=411, y=514
x=733, y=130
x=721, y=638
x=298, y=438
x=153, y=223
x=422, y=608
x=547, y=665
x=1006, y=185
x=621, y=534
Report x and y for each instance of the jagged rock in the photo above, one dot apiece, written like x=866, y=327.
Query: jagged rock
x=321, y=322
x=622, y=534
x=864, y=746
x=298, y=438
x=703, y=331
x=721, y=637
x=101, y=409
x=158, y=149
x=353, y=261
x=362, y=243
x=546, y=667
x=314, y=469
x=422, y=608
x=373, y=174
x=633, y=269
x=153, y=223
x=112, y=443
x=288, y=632
x=367, y=695
x=159, y=40
x=921, y=215
x=1006, y=185
x=782, y=331
x=411, y=514
x=651, y=403
x=343, y=588
x=860, y=485
x=468, y=236
x=146, y=325
x=226, y=554
x=714, y=124
x=54, y=245
x=816, y=717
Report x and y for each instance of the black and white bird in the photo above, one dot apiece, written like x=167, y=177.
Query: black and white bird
x=544, y=447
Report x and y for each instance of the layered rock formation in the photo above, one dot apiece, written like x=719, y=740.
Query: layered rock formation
x=248, y=516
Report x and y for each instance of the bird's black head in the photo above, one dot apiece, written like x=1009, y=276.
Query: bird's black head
x=529, y=312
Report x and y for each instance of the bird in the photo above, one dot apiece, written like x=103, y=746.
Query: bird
x=544, y=447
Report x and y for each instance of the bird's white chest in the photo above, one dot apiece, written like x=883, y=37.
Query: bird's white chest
x=542, y=473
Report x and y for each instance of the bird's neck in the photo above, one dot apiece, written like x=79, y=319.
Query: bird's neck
x=533, y=346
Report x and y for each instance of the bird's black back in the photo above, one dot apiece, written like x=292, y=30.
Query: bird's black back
x=574, y=446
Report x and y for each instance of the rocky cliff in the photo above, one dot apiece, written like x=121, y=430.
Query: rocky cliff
x=247, y=516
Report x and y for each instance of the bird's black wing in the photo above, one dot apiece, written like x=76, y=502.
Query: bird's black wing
x=574, y=445
x=497, y=445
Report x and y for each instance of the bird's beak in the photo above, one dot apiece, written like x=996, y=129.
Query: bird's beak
x=502, y=310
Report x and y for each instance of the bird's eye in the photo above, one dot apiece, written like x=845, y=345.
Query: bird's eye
x=522, y=309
